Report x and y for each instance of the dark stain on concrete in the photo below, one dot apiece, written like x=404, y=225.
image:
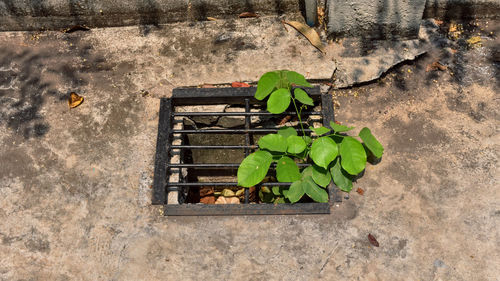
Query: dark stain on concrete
x=37, y=242
x=416, y=136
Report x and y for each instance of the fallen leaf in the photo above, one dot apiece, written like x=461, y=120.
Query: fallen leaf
x=474, y=40
x=225, y=200
x=453, y=27
x=372, y=240
x=208, y=200
x=337, y=122
x=285, y=119
x=206, y=191
x=240, y=192
x=239, y=85
x=74, y=100
x=360, y=191
x=211, y=19
x=248, y=15
x=435, y=66
x=227, y=192
x=76, y=28
x=309, y=33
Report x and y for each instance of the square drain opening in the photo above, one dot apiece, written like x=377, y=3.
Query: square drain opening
x=203, y=135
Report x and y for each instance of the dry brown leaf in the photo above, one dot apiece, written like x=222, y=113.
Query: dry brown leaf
x=309, y=33
x=360, y=191
x=239, y=85
x=435, y=66
x=373, y=240
x=248, y=15
x=74, y=100
x=285, y=119
x=227, y=200
x=474, y=40
x=208, y=200
x=211, y=19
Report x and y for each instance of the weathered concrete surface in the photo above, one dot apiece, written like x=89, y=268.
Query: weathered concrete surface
x=75, y=184
x=60, y=14
x=377, y=59
x=174, y=55
x=379, y=19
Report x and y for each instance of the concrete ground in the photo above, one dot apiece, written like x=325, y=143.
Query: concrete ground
x=75, y=184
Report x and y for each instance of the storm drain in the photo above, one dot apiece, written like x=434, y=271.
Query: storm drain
x=204, y=133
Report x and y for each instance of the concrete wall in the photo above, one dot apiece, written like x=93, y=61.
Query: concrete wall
x=375, y=19
x=462, y=9
x=58, y=14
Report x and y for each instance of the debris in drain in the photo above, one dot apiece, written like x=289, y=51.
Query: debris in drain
x=227, y=200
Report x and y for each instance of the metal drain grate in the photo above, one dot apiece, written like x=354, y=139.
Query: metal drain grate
x=165, y=151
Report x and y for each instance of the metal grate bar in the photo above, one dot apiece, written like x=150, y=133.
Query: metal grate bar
x=219, y=165
x=187, y=114
x=230, y=131
x=247, y=141
x=223, y=184
x=162, y=149
x=214, y=146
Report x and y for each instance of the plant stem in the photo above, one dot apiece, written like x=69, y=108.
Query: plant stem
x=300, y=119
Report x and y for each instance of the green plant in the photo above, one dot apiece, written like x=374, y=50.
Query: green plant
x=333, y=155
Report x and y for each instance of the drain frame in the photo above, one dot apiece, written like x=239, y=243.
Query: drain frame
x=211, y=96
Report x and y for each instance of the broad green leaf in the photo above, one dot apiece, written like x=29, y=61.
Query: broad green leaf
x=266, y=85
x=307, y=139
x=320, y=131
x=273, y=142
x=321, y=176
x=295, y=144
x=287, y=170
x=287, y=132
x=279, y=101
x=280, y=200
x=314, y=191
x=307, y=172
x=265, y=189
x=280, y=190
x=340, y=177
x=303, y=97
x=323, y=151
x=253, y=168
x=297, y=79
x=339, y=128
x=371, y=142
x=353, y=156
x=266, y=197
x=295, y=192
